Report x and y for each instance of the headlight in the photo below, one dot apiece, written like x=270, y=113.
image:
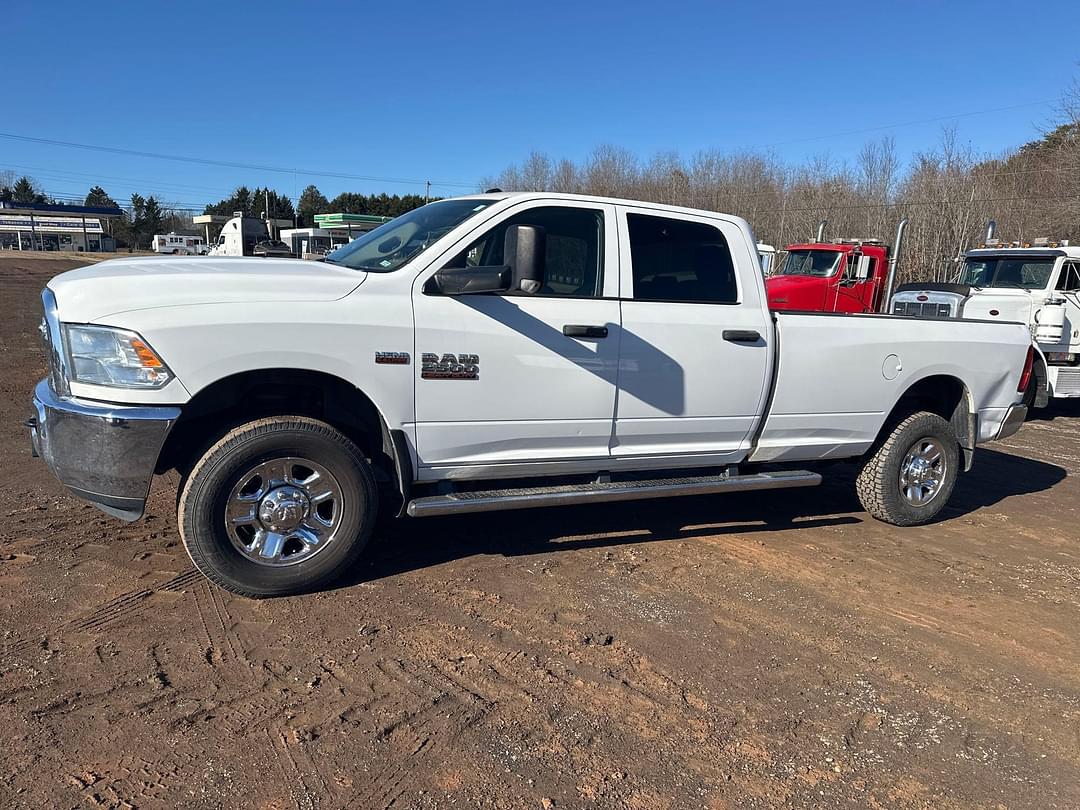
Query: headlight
x=102, y=355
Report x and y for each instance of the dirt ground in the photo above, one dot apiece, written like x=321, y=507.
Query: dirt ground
x=718, y=652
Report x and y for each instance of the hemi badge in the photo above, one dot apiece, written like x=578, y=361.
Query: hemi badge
x=392, y=358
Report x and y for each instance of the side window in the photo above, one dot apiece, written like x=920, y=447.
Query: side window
x=575, y=249
x=1069, y=281
x=676, y=260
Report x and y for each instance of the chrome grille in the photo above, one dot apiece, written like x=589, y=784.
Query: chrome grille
x=1068, y=381
x=922, y=309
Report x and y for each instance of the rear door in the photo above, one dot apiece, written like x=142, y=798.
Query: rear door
x=695, y=355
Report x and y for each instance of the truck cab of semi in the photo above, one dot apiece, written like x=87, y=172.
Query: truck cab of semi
x=842, y=275
x=240, y=235
x=1036, y=283
x=767, y=255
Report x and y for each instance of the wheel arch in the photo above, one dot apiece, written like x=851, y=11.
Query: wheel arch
x=1042, y=378
x=256, y=393
x=948, y=397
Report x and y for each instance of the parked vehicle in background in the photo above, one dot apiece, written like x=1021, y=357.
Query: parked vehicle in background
x=240, y=235
x=1036, y=283
x=272, y=247
x=767, y=255
x=844, y=275
x=178, y=243
x=498, y=351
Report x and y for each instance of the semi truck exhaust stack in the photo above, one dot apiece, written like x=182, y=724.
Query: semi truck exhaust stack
x=890, y=280
x=821, y=230
x=991, y=229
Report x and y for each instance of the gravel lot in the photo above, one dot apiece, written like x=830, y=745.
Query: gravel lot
x=719, y=652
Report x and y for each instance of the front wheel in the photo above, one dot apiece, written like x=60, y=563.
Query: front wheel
x=909, y=478
x=278, y=506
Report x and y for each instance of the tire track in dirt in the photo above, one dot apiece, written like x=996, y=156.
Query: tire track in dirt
x=115, y=610
x=425, y=740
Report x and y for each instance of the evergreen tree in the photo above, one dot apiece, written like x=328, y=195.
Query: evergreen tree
x=311, y=202
x=24, y=191
x=153, y=217
x=98, y=198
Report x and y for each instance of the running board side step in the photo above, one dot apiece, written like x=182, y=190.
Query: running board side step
x=601, y=492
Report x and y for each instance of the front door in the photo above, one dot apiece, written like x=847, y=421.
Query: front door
x=851, y=293
x=521, y=381
x=696, y=341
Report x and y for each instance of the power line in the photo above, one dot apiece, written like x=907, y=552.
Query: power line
x=912, y=123
x=230, y=164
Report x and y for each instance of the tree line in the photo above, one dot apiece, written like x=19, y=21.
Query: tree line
x=145, y=216
x=947, y=193
x=267, y=202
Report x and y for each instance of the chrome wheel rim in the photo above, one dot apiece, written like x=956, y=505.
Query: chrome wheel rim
x=923, y=471
x=283, y=511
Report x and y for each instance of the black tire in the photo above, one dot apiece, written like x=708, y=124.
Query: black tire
x=1030, y=394
x=879, y=484
x=207, y=489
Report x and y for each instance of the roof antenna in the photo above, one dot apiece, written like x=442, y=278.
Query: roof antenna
x=493, y=191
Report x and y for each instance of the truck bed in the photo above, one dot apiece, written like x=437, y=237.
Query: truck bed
x=839, y=375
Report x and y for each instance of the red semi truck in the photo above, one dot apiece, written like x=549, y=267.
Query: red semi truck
x=844, y=275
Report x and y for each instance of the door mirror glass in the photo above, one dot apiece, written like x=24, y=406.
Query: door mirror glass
x=862, y=268
x=525, y=251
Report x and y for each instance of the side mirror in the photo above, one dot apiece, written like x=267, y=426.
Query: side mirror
x=862, y=268
x=525, y=251
x=524, y=254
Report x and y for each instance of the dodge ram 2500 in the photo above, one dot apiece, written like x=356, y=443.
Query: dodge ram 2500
x=498, y=351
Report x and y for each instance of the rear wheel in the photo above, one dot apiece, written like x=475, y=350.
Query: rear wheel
x=909, y=478
x=278, y=506
x=1031, y=393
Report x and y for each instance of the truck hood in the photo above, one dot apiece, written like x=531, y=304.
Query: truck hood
x=796, y=292
x=120, y=285
x=1001, y=303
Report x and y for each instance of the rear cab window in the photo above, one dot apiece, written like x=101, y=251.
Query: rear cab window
x=680, y=260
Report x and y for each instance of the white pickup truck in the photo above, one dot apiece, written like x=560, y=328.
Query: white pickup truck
x=498, y=351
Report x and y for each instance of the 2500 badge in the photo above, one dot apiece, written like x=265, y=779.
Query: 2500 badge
x=449, y=366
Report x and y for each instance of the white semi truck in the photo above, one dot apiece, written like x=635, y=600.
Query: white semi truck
x=240, y=235
x=497, y=351
x=1037, y=284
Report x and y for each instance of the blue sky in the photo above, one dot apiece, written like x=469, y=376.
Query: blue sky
x=455, y=91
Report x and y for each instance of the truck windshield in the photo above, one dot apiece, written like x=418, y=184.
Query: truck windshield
x=822, y=263
x=393, y=243
x=1019, y=272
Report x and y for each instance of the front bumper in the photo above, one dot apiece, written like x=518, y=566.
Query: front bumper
x=102, y=452
x=1012, y=422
